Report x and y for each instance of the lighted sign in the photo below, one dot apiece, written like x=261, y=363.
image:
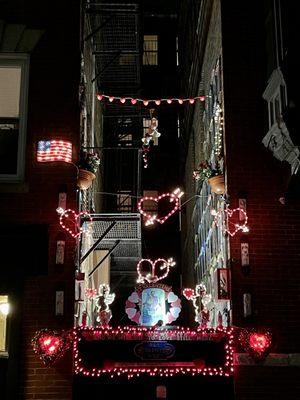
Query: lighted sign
x=54, y=150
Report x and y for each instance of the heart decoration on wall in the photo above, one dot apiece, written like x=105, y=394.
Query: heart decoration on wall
x=70, y=221
x=152, y=274
x=173, y=197
x=233, y=227
x=175, y=307
x=51, y=345
x=256, y=343
x=132, y=307
x=236, y=220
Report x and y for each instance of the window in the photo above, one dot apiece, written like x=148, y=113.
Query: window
x=13, y=106
x=125, y=139
x=150, y=50
x=275, y=95
x=4, y=309
x=124, y=202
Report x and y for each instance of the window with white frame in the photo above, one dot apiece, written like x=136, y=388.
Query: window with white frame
x=276, y=97
x=14, y=69
x=150, y=54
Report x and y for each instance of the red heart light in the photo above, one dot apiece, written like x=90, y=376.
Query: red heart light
x=188, y=293
x=257, y=344
x=70, y=221
x=150, y=217
x=50, y=345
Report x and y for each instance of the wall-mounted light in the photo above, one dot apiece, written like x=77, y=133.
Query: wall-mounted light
x=4, y=308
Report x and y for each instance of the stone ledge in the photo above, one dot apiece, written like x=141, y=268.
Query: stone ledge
x=273, y=360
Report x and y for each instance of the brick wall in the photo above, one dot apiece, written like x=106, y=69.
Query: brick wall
x=252, y=171
x=52, y=113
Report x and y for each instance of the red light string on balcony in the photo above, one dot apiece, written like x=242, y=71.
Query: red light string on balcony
x=146, y=102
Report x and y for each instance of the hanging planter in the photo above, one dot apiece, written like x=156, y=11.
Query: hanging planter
x=213, y=175
x=217, y=184
x=87, y=167
x=85, y=179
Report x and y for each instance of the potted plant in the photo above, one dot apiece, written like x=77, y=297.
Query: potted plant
x=214, y=176
x=87, y=167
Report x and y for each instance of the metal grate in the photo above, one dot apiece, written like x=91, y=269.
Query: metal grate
x=128, y=226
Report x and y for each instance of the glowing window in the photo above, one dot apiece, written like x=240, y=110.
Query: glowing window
x=4, y=309
x=150, y=56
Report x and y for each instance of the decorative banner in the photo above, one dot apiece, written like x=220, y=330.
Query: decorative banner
x=54, y=150
x=200, y=301
x=146, y=102
x=256, y=343
x=233, y=219
x=135, y=351
x=50, y=345
x=70, y=221
x=153, y=275
x=173, y=197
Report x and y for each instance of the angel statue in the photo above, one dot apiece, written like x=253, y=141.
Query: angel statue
x=103, y=301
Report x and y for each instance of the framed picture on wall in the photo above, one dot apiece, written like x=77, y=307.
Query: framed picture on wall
x=223, y=283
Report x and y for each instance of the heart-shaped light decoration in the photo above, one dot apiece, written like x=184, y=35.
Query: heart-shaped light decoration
x=151, y=218
x=175, y=307
x=257, y=344
x=50, y=345
x=231, y=213
x=188, y=293
x=70, y=221
x=237, y=227
x=152, y=275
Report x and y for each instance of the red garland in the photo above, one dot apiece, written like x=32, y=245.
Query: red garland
x=50, y=345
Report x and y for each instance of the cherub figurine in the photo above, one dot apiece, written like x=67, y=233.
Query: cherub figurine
x=200, y=301
x=103, y=300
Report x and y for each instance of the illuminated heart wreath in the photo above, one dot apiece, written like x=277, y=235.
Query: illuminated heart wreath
x=256, y=343
x=70, y=221
x=232, y=217
x=158, y=265
x=50, y=345
x=174, y=198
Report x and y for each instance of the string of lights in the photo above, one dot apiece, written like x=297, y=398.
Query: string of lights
x=146, y=102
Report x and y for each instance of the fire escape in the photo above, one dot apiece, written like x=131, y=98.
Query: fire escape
x=111, y=244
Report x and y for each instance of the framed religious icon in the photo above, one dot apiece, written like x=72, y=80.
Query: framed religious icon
x=223, y=283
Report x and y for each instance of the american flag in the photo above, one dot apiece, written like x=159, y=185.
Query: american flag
x=54, y=150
